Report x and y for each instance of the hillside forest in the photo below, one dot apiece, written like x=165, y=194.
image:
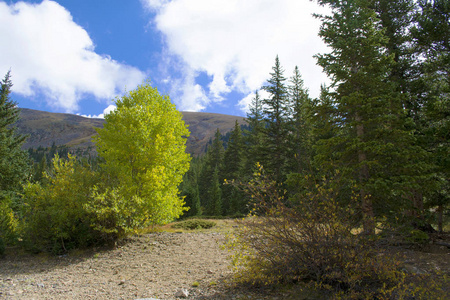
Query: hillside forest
x=322, y=182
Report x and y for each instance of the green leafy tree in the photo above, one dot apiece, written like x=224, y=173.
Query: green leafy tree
x=54, y=214
x=143, y=146
x=276, y=112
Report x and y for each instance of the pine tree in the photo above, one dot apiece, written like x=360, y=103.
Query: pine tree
x=254, y=136
x=189, y=189
x=372, y=146
x=431, y=36
x=276, y=113
x=299, y=157
x=232, y=169
x=215, y=193
x=212, y=163
x=14, y=162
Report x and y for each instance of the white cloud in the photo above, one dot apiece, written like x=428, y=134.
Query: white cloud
x=235, y=42
x=49, y=53
x=106, y=111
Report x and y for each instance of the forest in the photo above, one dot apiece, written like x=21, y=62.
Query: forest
x=321, y=183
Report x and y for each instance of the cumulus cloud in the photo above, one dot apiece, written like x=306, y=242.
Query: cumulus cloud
x=235, y=43
x=106, y=111
x=49, y=53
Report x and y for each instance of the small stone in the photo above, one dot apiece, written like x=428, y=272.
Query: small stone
x=182, y=293
x=122, y=282
x=210, y=272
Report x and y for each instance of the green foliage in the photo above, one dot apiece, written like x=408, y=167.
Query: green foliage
x=13, y=160
x=9, y=224
x=372, y=143
x=317, y=242
x=194, y=224
x=300, y=130
x=254, y=136
x=189, y=189
x=2, y=247
x=208, y=181
x=54, y=214
x=276, y=113
x=143, y=147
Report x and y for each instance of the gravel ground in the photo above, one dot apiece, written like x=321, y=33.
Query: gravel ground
x=158, y=266
x=155, y=265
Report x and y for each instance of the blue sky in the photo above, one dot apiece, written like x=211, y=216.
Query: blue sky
x=76, y=56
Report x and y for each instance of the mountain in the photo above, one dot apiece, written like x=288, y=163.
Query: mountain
x=45, y=129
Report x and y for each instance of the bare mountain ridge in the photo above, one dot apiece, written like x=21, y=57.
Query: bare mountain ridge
x=45, y=129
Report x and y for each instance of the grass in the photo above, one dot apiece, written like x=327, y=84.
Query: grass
x=194, y=224
x=222, y=226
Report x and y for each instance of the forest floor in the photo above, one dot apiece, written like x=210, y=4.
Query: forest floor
x=158, y=265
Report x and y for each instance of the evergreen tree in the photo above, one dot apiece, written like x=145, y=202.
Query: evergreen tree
x=14, y=162
x=299, y=156
x=233, y=170
x=189, y=189
x=254, y=140
x=212, y=163
x=432, y=41
x=276, y=113
x=215, y=193
x=372, y=148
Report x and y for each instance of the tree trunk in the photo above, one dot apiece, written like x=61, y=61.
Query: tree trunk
x=366, y=200
x=440, y=217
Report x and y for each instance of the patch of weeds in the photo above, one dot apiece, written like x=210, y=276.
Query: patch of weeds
x=195, y=284
x=194, y=224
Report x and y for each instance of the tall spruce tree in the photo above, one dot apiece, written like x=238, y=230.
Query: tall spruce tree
x=276, y=113
x=299, y=157
x=189, y=188
x=254, y=136
x=432, y=41
x=207, y=182
x=373, y=148
x=232, y=169
x=14, y=162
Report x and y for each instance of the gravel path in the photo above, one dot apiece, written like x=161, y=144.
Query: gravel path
x=154, y=265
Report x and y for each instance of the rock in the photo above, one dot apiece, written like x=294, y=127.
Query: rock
x=413, y=270
x=182, y=293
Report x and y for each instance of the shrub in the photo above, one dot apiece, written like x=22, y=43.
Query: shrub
x=53, y=213
x=8, y=222
x=314, y=240
x=194, y=224
x=2, y=247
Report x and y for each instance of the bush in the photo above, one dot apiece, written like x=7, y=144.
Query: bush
x=8, y=222
x=2, y=247
x=316, y=240
x=194, y=224
x=54, y=216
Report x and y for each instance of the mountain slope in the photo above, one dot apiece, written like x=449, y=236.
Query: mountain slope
x=45, y=129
